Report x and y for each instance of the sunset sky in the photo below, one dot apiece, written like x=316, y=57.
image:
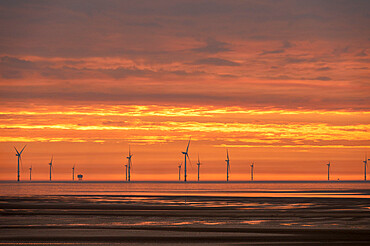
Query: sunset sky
x=284, y=84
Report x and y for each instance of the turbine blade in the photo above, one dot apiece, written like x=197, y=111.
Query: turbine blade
x=188, y=158
x=187, y=148
x=16, y=150
x=23, y=149
x=227, y=153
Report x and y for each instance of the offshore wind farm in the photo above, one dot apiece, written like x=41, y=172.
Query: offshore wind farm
x=128, y=168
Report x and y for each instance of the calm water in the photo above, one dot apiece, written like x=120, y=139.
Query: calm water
x=106, y=212
x=269, y=189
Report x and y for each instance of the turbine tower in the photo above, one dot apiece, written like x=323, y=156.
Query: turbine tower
x=227, y=165
x=365, y=166
x=51, y=166
x=186, y=155
x=198, y=166
x=18, y=154
x=73, y=173
x=30, y=173
x=252, y=170
x=180, y=171
x=328, y=170
x=129, y=164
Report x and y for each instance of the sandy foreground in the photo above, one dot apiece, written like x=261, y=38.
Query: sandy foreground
x=107, y=220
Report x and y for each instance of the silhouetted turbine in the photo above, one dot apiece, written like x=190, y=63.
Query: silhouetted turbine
x=180, y=171
x=30, y=173
x=186, y=155
x=198, y=166
x=328, y=170
x=18, y=154
x=227, y=165
x=252, y=167
x=51, y=166
x=365, y=166
x=126, y=171
x=129, y=163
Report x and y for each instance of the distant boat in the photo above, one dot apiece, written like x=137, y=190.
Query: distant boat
x=80, y=176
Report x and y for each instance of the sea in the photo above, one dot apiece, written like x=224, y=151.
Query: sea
x=329, y=189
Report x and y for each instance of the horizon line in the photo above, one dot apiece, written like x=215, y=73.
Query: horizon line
x=174, y=181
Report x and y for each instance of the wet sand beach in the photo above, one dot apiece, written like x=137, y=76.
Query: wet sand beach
x=86, y=219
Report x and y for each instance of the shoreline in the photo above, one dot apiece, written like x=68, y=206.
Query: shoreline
x=189, y=182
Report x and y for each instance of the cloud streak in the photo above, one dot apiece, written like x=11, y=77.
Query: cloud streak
x=213, y=61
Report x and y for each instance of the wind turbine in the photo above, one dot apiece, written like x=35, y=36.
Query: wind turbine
x=328, y=170
x=365, y=166
x=18, y=154
x=30, y=173
x=227, y=165
x=51, y=166
x=129, y=163
x=180, y=171
x=186, y=155
x=73, y=173
x=126, y=171
x=198, y=166
x=252, y=170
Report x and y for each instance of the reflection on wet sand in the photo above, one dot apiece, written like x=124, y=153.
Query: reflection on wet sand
x=133, y=218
